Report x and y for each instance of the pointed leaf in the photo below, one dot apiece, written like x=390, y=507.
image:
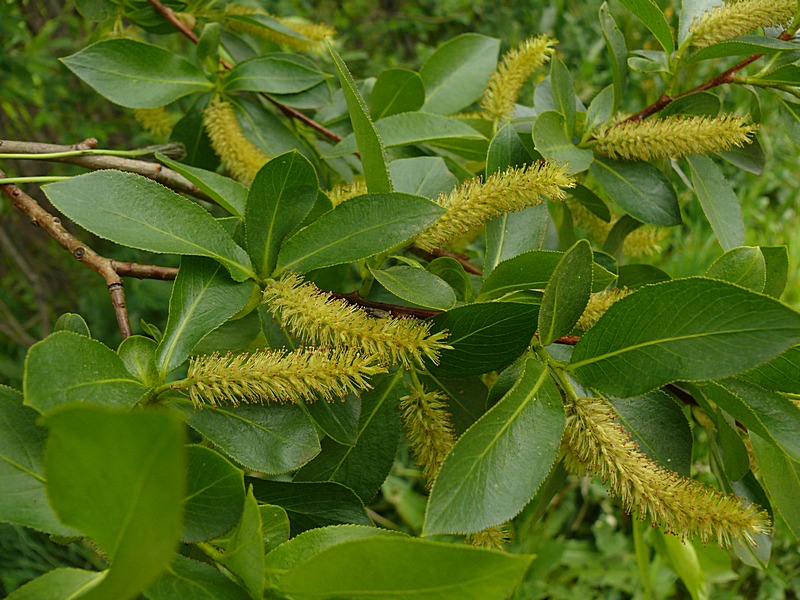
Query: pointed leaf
x=648, y=13
x=554, y=145
x=396, y=91
x=746, y=44
x=498, y=464
x=338, y=420
x=243, y=549
x=58, y=584
x=782, y=479
x=274, y=526
x=137, y=212
x=226, y=192
x=744, y=266
x=719, y=202
x=781, y=374
x=72, y=322
x=777, y=265
x=618, y=50
x=426, y=176
x=417, y=286
x=188, y=579
x=563, y=90
x=684, y=329
x=567, y=293
x=272, y=74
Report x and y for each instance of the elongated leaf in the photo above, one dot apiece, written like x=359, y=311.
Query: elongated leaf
x=563, y=91
x=66, y=367
x=268, y=439
x=698, y=103
x=363, y=467
x=23, y=499
x=273, y=74
x=226, y=192
x=567, y=293
x=214, y=495
x=639, y=188
x=782, y=479
x=203, y=298
x=648, y=13
x=188, y=579
x=456, y=73
x=426, y=176
x=396, y=91
x=618, y=51
x=119, y=478
x=554, y=145
x=373, y=156
x=243, y=549
x=407, y=568
x=282, y=194
x=497, y=465
x=600, y=109
x=746, y=44
x=339, y=420
x=58, y=584
x=781, y=374
x=311, y=505
x=417, y=286
x=684, y=329
x=135, y=74
x=744, y=266
x=356, y=229
x=719, y=202
x=138, y=212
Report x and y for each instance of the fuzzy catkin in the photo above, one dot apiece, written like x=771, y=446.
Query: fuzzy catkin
x=736, y=18
x=311, y=38
x=239, y=155
x=429, y=431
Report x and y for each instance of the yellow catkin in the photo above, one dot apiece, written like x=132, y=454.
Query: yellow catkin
x=473, y=203
x=599, y=303
x=673, y=137
x=344, y=191
x=643, y=241
x=494, y=537
x=505, y=84
x=239, y=155
x=304, y=375
x=597, y=443
x=315, y=317
x=733, y=19
x=314, y=35
x=156, y=121
x=429, y=431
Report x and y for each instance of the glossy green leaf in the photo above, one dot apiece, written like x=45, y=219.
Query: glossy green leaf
x=274, y=526
x=777, y=265
x=532, y=271
x=634, y=276
x=281, y=195
x=698, y=103
x=466, y=399
x=567, y=293
x=684, y=329
x=312, y=504
x=203, y=298
x=614, y=243
x=235, y=334
x=136, y=75
x=417, y=286
x=396, y=91
x=138, y=354
x=72, y=322
x=781, y=477
x=363, y=467
x=639, y=188
x=23, y=499
x=591, y=201
x=744, y=45
x=498, y=464
x=119, y=478
x=750, y=158
x=733, y=455
x=513, y=234
x=58, y=584
x=456, y=73
x=373, y=156
x=426, y=176
x=648, y=13
x=265, y=21
x=138, y=212
x=188, y=579
x=719, y=201
x=338, y=420
x=658, y=426
x=554, y=145
x=268, y=439
x=269, y=133
x=600, y=109
x=243, y=550
x=563, y=90
x=214, y=495
x=66, y=367
x=208, y=47
x=190, y=132
x=272, y=74
x=453, y=273
x=744, y=266
x=781, y=374
x=356, y=229
x=226, y=192
x=618, y=51
x=484, y=337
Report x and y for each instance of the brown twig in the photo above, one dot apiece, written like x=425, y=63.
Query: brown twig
x=139, y=271
x=169, y=15
x=439, y=253
x=101, y=265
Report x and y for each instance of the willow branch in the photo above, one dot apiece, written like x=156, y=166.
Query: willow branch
x=139, y=271
x=99, y=264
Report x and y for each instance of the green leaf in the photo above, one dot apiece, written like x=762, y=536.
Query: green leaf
x=718, y=200
x=484, y=337
x=190, y=132
x=426, y=176
x=226, y=192
x=698, y=103
x=136, y=75
x=563, y=90
x=269, y=133
x=268, y=439
x=567, y=293
x=265, y=21
x=513, y=234
x=790, y=115
x=454, y=274
x=203, y=298
x=214, y=495
x=684, y=329
x=466, y=399
x=648, y=13
x=208, y=47
x=635, y=276
x=373, y=156
x=236, y=334
x=243, y=550
x=339, y=420
x=58, y=584
x=618, y=51
x=777, y=265
x=781, y=477
x=311, y=505
x=356, y=229
x=456, y=73
x=682, y=557
x=532, y=271
x=744, y=45
x=119, y=478
x=591, y=201
x=744, y=266
x=66, y=367
x=396, y=91
x=137, y=212
x=498, y=464
x=188, y=579
x=615, y=240
x=639, y=188
x=417, y=286
x=72, y=322
x=282, y=194
x=363, y=467
x=658, y=426
x=554, y=145
x=274, y=526
x=781, y=374
x=23, y=500
x=272, y=74
x=407, y=568
x=750, y=158
x=138, y=354
x=600, y=109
